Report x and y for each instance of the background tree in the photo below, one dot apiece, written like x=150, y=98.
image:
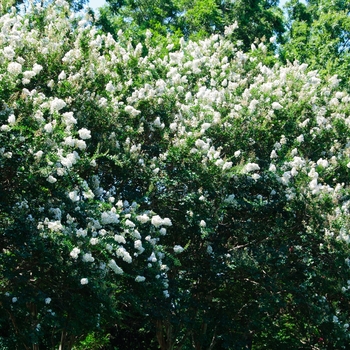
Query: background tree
x=195, y=19
x=318, y=35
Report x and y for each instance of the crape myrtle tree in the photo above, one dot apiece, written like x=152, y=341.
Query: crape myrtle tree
x=62, y=234
x=195, y=19
x=195, y=191
x=318, y=34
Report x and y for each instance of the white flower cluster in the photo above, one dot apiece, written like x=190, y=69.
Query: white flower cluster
x=157, y=221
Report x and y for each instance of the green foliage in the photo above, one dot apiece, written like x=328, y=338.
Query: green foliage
x=193, y=19
x=93, y=341
x=182, y=190
x=319, y=36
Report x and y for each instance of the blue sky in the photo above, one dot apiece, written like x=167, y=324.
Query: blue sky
x=97, y=3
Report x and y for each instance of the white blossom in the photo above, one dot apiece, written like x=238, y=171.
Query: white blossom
x=87, y=257
x=110, y=87
x=112, y=264
x=140, y=278
x=69, y=141
x=297, y=162
x=73, y=195
x=167, y=222
x=323, y=163
x=14, y=68
x=230, y=198
x=120, y=239
x=300, y=138
x=109, y=217
x=62, y=75
x=152, y=257
x=11, y=119
x=251, y=167
x=156, y=221
x=68, y=118
x=9, y=52
x=81, y=232
x=131, y=110
x=57, y=104
x=276, y=106
x=54, y=225
x=37, y=68
x=93, y=241
x=122, y=253
x=138, y=246
x=273, y=154
x=81, y=144
x=48, y=128
x=74, y=253
x=227, y=165
x=84, y=134
x=38, y=155
x=51, y=179
x=69, y=160
x=178, y=249
x=129, y=223
x=143, y=218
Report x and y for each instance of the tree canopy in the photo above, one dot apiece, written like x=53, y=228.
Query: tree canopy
x=186, y=191
x=319, y=35
x=195, y=19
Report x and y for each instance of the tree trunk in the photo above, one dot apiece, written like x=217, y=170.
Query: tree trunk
x=164, y=333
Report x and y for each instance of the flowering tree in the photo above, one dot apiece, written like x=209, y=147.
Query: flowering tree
x=197, y=189
x=62, y=233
